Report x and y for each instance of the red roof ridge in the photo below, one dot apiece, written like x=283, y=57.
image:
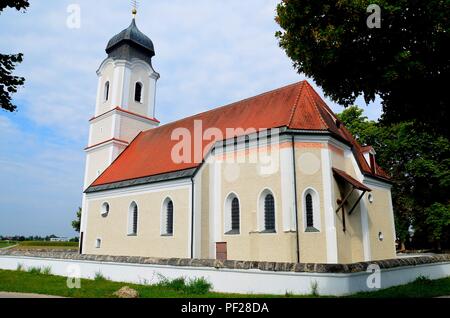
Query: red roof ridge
x=229, y=105
x=294, y=108
x=315, y=105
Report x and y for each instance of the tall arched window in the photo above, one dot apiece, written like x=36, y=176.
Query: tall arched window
x=232, y=215
x=235, y=215
x=269, y=213
x=138, y=92
x=106, y=91
x=133, y=219
x=311, y=210
x=167, y=217
x=169, y=223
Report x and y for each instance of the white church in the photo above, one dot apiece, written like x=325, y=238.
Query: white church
x=274, y=177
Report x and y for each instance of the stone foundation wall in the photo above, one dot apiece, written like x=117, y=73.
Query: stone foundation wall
x=229, y=264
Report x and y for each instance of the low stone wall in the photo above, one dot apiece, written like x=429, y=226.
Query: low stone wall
x=230, y=264
x=235, y=276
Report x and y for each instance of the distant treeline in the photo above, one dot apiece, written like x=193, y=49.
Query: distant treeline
x=47, y=243
x=19, y=238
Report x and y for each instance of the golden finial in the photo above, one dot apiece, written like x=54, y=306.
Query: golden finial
x=135, y=4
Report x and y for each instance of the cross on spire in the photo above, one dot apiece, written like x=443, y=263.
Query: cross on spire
x=135, y=5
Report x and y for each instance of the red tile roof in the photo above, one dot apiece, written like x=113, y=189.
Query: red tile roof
x=296, y=106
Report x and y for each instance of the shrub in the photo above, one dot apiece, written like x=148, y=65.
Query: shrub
x=34, y=270
x=47, y=270
x=20, y=267
x=194, y=286
x=99, y=276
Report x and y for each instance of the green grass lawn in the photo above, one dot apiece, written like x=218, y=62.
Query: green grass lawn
x=34, y=281
x=4, y=244
x=31, y=245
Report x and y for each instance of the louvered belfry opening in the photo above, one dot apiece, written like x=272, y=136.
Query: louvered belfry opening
x=169, y=224
x=269, y=213
x=309, y=211
x=235, y=215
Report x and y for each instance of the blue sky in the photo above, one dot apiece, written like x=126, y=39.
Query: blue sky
x=208, y=52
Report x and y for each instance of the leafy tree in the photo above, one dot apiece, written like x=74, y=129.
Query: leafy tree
x=418, y=161
x=76, y=223
x=406, y=61
x=438, y=220
x=8, y=82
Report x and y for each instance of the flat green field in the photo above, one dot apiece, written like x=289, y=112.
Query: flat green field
x=40, y=281
x=4, y=244
x=29, y=245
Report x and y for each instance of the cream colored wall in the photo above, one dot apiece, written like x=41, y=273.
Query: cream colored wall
x=350, y=242
x=139, y=74
x=113, y=229
x=313, y=247
x=245, y=180
x=204, y=212
x=381, y=220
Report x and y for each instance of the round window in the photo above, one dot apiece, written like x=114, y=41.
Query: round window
x=105, y=209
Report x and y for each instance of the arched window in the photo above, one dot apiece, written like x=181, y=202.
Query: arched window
x=106, y=91
x=232, y=214
x=169, y=224
x=133, y=219
x=138, y=92
x=311, y=210
x=235, y=215
x=269, y=213
x=167, y=217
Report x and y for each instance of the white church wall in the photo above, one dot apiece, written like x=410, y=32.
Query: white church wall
x=235, y=280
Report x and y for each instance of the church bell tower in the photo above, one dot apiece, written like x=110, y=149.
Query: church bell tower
x=125, y=103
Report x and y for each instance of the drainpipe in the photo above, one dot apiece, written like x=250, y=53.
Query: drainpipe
x=297, y=235
x=192, y=216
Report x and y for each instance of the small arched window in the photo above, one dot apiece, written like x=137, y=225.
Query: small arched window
x=311, y=210
x=138, y=92
x=167, y=217
x=106, y=91
x=269, y=213
x=133, y=219
x=232, y=214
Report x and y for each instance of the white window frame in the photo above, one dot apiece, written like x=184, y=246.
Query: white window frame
x=227, y=213
x=163, y=217
x=261, y=211
x=98, y=242
x=141, y=101
x=106, y=96
x=316, y=209
x=105, y=208
x=130, y=231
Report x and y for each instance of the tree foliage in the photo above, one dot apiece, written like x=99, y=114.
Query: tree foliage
x=77, y=222
x=418, y=161
x=8, y=82
x=405, y=62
